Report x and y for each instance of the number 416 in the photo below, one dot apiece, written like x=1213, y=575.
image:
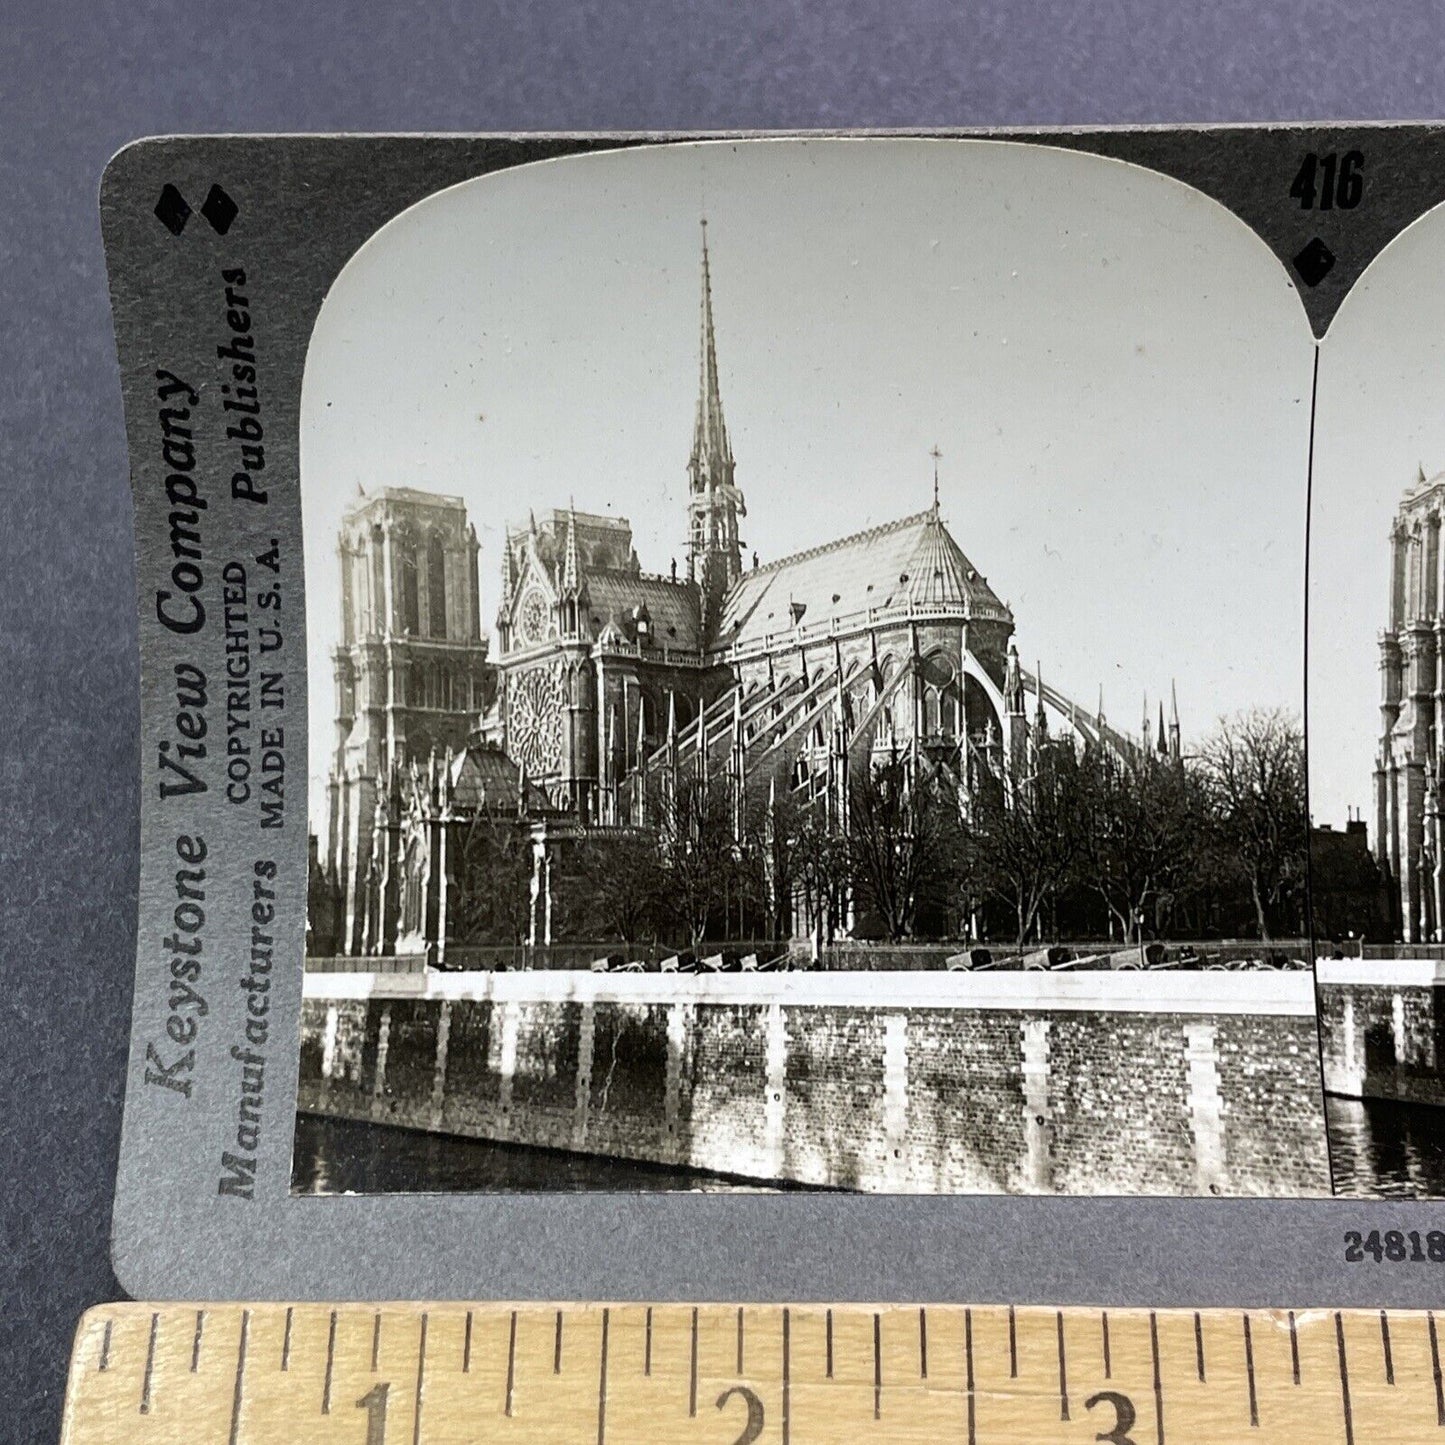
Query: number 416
x=1330, y=180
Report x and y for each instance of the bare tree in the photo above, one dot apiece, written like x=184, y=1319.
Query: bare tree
x=619, y=879
x=493, y=871
x=905, y=841
x=1030, y=837
x=702, y=864
x=1145, y=833
x=1254, y=774
x=813, y=861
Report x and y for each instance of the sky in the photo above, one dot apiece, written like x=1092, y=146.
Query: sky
x=1381, y=416
x=1116, y=371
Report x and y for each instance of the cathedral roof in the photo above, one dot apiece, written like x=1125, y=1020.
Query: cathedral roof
x=484, y=779
x=910, y=563
x=672, y=607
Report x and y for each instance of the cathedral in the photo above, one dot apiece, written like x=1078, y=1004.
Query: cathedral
x=609, y=682
x=1412, y=717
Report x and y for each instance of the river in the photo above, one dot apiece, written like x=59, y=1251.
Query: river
x=1384, y=1150
x=1377, y=1150
x=342, y=1156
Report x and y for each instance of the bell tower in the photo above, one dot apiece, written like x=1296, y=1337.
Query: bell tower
x=714, y=504
x=411, y=678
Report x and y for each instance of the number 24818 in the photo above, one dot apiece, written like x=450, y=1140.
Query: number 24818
x=1396, y=1246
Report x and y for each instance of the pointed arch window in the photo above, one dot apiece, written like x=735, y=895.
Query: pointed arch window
x=436, y=586
x=410, y=607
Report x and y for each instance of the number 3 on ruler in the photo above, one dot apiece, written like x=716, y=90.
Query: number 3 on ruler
x=1124, y=1416
x=374, y=1403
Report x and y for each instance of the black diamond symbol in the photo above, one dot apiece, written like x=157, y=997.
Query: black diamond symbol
x=1315, y=262
x=219, y=209
x=171, y=210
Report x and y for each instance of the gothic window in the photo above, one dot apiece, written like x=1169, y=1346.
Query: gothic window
x=436, y=585
x=347, y=601
x=930, y=711
x=445, y=679
x=410, y=608
x=376, y=622
x=947, y=714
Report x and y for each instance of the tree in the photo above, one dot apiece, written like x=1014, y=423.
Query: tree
x=812, y=861
x=905, y=841
x=492, y=900
x=618, y=877
x=1145, y=834
x=1253, y=770
x=703, y=867
x=1030, y=834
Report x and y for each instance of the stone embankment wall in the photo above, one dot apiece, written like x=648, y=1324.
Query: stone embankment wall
x=904, y=1082
x=1382, y=1028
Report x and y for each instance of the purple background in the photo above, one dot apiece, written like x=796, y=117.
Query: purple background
x=78, y=82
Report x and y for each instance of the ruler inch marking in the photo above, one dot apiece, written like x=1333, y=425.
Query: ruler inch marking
x=1013, y=1347
x=330, y=1365
x=1063, y=1369
x=877, y=1367
x=145, y=1387
x=511, y=1365
x=1199, y=1346
x=375, y=1341
x=1108, y=1366
x=1344, y=1380
x=830, y=1344
x=1435, y=1368
x=104, y=1361
x=788, y=1366
x=922, y=1343
x=286, y=1340
x=740, y=1339
x=196, y=1341
x=1249, y=1375
x=968, y=1376
x=420, y=1383
x=602, y=1382
x=1293, y=1347
x=647, y=1348
x=238, y=1393
x=1385, y=1348
x=557, y=1346
x=1158, y=1383
x=467, y=1346
x=692, y=1372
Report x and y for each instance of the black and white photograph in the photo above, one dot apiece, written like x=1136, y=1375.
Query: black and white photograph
x=1377, y=723
x=806, y=682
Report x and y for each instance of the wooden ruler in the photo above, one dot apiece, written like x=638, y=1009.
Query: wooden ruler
x=799, y=1375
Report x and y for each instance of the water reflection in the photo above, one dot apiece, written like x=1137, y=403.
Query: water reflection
x=341, y=1156
x=1384, y=1150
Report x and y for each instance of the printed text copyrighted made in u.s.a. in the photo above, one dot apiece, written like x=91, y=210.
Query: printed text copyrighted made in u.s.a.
x=231, y=618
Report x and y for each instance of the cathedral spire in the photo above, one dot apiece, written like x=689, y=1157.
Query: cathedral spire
x=714, y=553
x=571, y=570
x=712, y=457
